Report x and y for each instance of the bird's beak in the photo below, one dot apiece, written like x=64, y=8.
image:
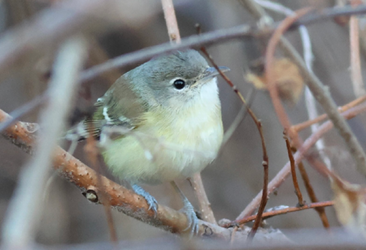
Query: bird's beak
x=211, y=72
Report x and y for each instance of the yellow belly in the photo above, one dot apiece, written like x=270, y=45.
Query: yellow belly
x=167, y=145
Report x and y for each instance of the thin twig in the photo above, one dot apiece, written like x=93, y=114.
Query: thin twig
x=271, y=85
x=203, y=202
x=265, y=162
x=286, y=210
x=293, y=171
x=171, y=20
x=24, y=212
x=312, y=195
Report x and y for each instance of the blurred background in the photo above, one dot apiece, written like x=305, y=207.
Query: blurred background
x=233, y=180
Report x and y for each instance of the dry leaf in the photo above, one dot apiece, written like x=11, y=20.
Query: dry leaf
x=288, y=79
x=349, y=203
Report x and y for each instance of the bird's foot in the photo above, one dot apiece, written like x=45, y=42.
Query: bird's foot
x=188, y=210
x=153, y=204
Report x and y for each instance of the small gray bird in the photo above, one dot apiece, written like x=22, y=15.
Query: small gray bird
x=167, y=114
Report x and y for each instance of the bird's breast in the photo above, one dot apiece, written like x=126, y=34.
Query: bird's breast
x=171, y=144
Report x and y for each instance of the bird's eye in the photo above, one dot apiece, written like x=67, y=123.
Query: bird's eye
x=179, y=84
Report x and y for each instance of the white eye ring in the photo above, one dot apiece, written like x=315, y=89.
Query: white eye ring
x=178, y=83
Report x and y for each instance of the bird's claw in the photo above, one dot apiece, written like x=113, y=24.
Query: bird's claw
x=188, y=210
x=153, y=204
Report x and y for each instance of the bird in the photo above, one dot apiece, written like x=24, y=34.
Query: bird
x=159, y=122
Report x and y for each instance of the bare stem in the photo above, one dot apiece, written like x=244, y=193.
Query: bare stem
x=356, y=74
x=203, y=202
x=171, y=20
x=293, y=172
x=265, y=162
x=312, y=195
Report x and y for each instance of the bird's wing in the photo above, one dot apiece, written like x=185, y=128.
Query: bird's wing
x=119, y=107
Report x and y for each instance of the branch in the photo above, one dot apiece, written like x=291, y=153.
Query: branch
x=122, y=199
x=265, y=162
x=203, y=202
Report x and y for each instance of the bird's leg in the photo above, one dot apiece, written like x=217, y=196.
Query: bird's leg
x=153, y=204
x=188, y=210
